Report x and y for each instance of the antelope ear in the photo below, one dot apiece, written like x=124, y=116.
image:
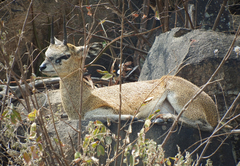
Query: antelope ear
x=80, y=50
x=57, y=42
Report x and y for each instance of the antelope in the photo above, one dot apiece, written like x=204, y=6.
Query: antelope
x=140, y=99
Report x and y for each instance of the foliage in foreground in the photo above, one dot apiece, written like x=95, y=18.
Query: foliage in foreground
x=99, y=141
x=27, y=148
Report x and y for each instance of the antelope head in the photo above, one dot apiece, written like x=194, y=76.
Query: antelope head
x=63, y=58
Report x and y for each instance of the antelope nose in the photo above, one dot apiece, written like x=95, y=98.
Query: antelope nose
x=42, y=67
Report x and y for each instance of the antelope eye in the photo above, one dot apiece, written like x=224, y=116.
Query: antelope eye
x=65, y=57
x=58, y=60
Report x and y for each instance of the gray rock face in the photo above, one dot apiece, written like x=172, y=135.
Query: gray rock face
x=44, y=99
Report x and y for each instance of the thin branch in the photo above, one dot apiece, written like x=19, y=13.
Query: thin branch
x=46, y=138
x=81, y=82
x=185, y=6
x=132, y=26
x=110, y=39
x=14, y=59
x=120, y=83
x=219, y=15
x=166, y=16
x=54, y=125
x=114, y=40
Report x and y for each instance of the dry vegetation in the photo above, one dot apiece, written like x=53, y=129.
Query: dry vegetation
x=25, y=141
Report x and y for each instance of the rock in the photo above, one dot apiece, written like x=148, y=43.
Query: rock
x=43, y=100
x=184, y=137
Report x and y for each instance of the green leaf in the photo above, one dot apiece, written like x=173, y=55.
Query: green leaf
x=157, y=111
x=103, y=129
x=102, y=142
x=86, y=140
x=100, y=137
x=131, y=160
x=27, y=158
x=100, y=150
x=108, y=140
x=17, y=115
x=89, y=161
x=102, y=72
x=32, y=115
x=77, y=155
x=147, y=123
x=94, y=144
x=33, y=130
x=58, y=142
x=104, y=43
x=4, y=113
x=13, y=119
x=107, y=76
x=150, y=116
x=168, y=162
x=39, y=139
x=97, y=122
x=173, y=158
x=40, y=147
x=143, y=104
x=96, y=131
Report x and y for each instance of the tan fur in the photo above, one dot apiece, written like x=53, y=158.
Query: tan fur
x=169, y=94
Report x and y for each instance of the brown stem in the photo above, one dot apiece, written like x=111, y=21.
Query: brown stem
x=54, y=125
x=120, y=83
x=176, y=8
x=110, y=39
x=131, y=25
x=81, y=83
x=14, y=59
x=188, y=19
x=159, y=8
x=166, y=17
x=219, y=15
x=114, y=40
